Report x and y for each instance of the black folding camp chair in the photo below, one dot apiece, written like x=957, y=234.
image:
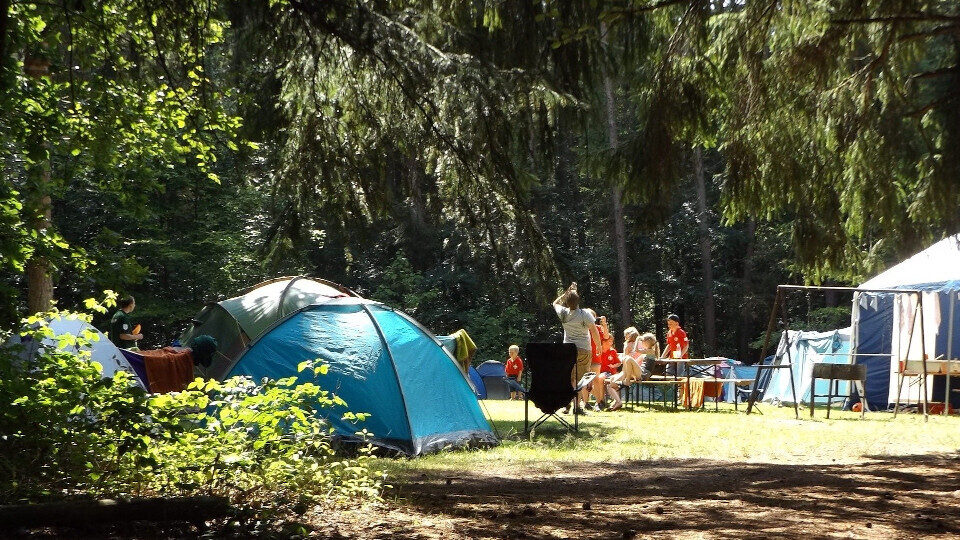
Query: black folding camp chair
x=550, y=366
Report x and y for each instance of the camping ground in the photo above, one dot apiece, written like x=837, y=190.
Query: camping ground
x=666, y=474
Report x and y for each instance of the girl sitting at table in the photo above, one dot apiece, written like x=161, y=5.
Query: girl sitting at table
x=639, y=357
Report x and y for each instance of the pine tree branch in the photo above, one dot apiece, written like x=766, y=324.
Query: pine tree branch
x=920, y=17
x=935, y=73
x=938, y=31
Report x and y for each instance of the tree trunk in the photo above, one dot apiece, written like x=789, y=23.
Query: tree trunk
x=93, y=513
x=4, y=24
x=706, y=257
x=39, y=209
x=622, y=295
x=746, y=311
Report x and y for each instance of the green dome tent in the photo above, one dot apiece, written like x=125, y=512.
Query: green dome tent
x=236, y=322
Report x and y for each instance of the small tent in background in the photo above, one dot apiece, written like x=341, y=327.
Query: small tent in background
x=383, y=363
x=101, y=349
x=805, y=348
x=883, y=322
x=493, y=374
x=236, y=322
x=733, y=369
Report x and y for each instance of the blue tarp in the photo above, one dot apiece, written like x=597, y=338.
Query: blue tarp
x=806, y=348
x=736, y=371
x=381, y=363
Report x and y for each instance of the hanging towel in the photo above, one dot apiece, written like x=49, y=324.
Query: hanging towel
x=465, y=348
x=699, y=388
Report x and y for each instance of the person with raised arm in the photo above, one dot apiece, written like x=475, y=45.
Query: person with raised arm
x=579, y=328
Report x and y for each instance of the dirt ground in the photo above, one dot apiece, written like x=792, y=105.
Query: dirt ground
x=882, y=497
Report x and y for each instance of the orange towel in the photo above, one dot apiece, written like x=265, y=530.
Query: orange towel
x=699, y=389
x=169, y=369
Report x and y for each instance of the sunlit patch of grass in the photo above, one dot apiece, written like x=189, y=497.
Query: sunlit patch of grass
x=651, y=434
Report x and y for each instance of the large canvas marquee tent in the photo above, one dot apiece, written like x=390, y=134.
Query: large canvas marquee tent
x=886, y=326
x=381, y=362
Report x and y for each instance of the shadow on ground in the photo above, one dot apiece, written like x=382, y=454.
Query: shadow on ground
x=881, y=497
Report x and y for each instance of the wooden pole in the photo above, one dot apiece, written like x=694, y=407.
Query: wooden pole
x=763, y=350
x=923, y=358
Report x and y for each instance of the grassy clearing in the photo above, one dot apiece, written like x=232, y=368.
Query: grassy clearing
x=649, y=434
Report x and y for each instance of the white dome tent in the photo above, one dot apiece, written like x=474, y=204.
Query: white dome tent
x=101, y=349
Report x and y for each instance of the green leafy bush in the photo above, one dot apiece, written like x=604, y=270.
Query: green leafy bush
x=66, y=431
x=63, y=428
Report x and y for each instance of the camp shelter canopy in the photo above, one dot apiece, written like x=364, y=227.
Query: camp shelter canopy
x=806, y=348
x=381, y=362
x=883, y=322
x=92, y=341
x=236, y=322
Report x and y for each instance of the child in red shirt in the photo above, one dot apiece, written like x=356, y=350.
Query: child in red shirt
x=609, y=362
x=514, y=369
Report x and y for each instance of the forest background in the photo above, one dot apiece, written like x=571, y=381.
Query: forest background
x=465, y=160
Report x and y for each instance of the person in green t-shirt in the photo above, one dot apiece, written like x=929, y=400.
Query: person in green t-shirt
x=121, y=327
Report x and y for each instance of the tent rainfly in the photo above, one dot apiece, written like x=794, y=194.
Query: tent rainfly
x=236, y=322
x=381, y=362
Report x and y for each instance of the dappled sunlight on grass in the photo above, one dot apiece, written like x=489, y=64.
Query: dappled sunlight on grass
x=647, y=434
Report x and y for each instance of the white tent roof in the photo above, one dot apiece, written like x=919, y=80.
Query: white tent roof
x=938, y=263
x=101, y=350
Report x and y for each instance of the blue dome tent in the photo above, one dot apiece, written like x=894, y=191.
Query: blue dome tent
x=382, y=362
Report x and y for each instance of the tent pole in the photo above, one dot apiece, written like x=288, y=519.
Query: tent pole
x=763, y=350
x=913, y=325
x=793, y=386
x=946, y=388
x=923, y=357
x=900, y=377
x=854, y=343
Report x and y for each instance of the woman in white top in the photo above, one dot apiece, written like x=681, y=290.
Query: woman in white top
x=579, y=328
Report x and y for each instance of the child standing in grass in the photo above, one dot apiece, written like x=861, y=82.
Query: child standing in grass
x=514, y=369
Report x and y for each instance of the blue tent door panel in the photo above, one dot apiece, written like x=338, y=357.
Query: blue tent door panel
x=477, y=381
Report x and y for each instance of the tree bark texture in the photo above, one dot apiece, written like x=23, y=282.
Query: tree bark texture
x=706, y=257
x=622, y=297
x=40, y=211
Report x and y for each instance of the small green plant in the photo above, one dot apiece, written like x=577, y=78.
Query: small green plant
x=257, y=443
